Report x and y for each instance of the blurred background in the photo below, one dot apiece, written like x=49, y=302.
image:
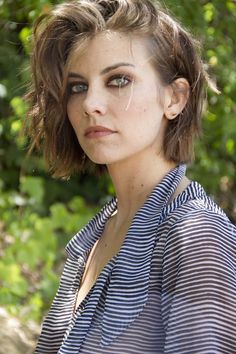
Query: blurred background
x=38, y=214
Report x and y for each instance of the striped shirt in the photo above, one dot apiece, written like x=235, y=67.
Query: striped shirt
x=171, y=288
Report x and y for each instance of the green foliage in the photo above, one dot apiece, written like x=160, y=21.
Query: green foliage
x=38, y=215
x=31, y=246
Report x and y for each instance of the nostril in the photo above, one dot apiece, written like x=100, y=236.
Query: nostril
x=95, y=107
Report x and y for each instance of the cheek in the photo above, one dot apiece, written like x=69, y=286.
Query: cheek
x=73, y=113
x=147, y=101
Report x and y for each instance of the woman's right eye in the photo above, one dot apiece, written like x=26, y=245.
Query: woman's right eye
x=76, y=88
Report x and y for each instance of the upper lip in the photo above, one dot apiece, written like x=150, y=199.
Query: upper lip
x=97, y=128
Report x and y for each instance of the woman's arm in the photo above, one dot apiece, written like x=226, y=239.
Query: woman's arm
x=199, y=285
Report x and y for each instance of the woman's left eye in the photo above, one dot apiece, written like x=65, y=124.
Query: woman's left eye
x=118, y=81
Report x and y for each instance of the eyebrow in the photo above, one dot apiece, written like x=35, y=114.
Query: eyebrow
x=103, y=72
x=115, y=66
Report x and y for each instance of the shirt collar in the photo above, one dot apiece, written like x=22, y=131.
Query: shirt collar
x=84, y=240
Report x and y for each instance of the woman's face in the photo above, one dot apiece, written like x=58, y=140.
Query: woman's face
x=116, y=99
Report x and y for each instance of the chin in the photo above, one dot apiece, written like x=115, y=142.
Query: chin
x=100, y=160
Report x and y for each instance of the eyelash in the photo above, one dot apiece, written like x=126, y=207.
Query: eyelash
x=119, y=77
x=73, y=85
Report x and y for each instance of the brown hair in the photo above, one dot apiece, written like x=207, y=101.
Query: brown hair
x=174, y=54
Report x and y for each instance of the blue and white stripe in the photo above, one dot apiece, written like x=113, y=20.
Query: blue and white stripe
x=171, y=289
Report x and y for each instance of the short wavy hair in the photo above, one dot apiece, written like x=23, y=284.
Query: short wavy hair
x=174, y=53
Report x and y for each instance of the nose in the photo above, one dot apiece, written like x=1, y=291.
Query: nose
x=95, y=102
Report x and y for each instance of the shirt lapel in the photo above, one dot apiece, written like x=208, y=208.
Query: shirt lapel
x=83, y=241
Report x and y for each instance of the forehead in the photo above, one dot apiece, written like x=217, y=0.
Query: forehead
x=107, y=48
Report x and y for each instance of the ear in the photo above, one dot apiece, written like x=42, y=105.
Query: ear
x=176, y=97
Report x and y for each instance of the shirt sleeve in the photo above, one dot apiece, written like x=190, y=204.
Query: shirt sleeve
x=199, y=285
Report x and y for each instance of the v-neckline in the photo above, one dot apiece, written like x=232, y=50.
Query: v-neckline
x=78, y=309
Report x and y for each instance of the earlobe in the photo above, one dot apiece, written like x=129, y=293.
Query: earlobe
x=177, y=97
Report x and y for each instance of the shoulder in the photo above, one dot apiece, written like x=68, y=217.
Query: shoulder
x=200, y=227
x=202, y=231
x=199, y=252
x=194, y=210
x=198, y=219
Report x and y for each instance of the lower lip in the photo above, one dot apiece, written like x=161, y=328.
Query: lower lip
x=98, y=134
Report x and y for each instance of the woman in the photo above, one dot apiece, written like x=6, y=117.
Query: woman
x=120, y=83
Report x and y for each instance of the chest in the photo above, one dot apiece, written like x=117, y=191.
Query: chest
x=102, y=252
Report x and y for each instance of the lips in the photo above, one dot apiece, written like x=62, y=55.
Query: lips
x=97, y=132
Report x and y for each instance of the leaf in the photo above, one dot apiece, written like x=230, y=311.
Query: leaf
x=33, y=187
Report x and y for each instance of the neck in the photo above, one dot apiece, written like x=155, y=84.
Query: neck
x=134, y=181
